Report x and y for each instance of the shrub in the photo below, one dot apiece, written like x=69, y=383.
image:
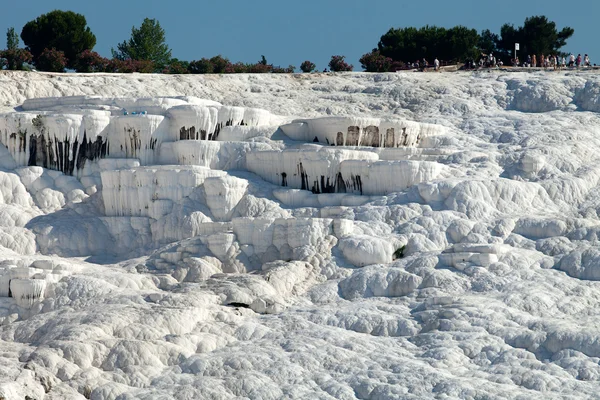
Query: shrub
x=376, y=62
x=129, y=66
x=397, y=65
x=90, y=61
x=399, y=253
x=112, y=65
x=219, y=64
x=238, y=68
x=279, y=70
x=176, y=67
x=307, y=66
x=337, y=64
x=15, y=58
x=259, y=68
x=202, y=66
x=51, y=60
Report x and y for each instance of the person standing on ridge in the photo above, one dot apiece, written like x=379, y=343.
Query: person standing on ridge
x=586, y=61
x=578, y=61
x=436, y=64
x=534, y=61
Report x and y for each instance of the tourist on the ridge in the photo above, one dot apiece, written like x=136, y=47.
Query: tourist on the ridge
x=578, y=60
x=528, y=61
x=534, y=61
x=436, y=64
x=563, y=64
x=571, y=60
x=586, y=61
x=542, y=61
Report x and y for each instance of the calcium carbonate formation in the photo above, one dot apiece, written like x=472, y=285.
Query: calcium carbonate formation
x=72, y=134
x=175, y=247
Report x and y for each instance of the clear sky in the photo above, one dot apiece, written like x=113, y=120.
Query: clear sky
x=289, y=32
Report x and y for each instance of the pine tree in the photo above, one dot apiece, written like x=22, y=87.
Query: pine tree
x=147, y=43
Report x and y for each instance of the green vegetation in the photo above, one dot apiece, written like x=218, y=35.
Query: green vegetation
x=429, y=42
x=62, y=39
x=399, y=253
x=536, y=36
x=147, y=43
x=64, y=31
x=13, y=57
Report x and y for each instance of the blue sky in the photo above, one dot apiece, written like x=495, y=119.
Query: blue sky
x=290, y=32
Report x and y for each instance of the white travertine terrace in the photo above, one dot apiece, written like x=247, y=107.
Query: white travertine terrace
x=348, y=235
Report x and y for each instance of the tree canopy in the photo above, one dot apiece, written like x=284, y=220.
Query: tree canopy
x=410, y=44
x=12, y=39
x=147, y=43
x=536, y=36
x=64, y=31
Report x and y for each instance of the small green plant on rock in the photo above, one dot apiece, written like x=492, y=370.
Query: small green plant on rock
x=399, y=253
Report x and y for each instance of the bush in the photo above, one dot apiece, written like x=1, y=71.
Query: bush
x=15, y=58
x=90, y=61
x=219, y=64
x=397, y=65
x=376, y=62
x=289, y=70
x=202, y=66
x=238, y=68
x=176, y=67
x=51, y=60
x=399, y=253
x=112, y=65
x=129, y=66
x=259, y=68
x=337, y=64
x=307, y=66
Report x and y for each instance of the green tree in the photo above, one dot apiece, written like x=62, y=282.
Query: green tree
x=538, y=36
x=410, y=44
x=64, y=31
x=146, y=43
x=12, y=39
x=487, y=41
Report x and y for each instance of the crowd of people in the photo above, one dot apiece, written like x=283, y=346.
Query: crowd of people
x=490, y=61
x=554, y=61
x=423, y=65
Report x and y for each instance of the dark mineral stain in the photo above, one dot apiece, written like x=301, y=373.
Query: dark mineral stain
x=303, y=177
x=63, y=155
